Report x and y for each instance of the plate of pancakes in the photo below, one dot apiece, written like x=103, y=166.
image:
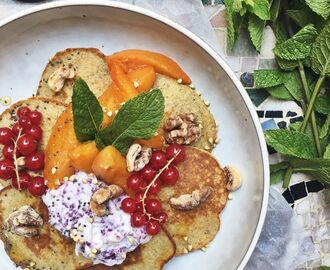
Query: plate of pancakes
x=88, y=37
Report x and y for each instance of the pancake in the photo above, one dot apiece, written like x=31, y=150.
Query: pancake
x=150, y=256
x=50, y=250
x=180, y=98
x=87, y=63
x=193, y=229
x=50, y=110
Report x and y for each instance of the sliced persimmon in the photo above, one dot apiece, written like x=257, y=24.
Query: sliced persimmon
x=161, y=63
x=143, y=78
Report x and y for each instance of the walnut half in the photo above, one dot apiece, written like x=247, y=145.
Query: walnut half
x=191, y=201
x=25, y=221
x=137, y=157
x=182, y=129
x=58, y=78
x=101, y=196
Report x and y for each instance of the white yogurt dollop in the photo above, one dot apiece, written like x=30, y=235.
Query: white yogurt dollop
x=105, y=239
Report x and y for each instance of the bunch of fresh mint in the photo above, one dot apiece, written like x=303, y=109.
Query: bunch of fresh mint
x=302, y=51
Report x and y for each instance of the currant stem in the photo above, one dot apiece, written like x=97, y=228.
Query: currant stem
x=154, y=180
x=15, y=158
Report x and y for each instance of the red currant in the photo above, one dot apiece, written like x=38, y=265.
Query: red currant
x=7, y=169
x=162, y=217
x=148, y=173
x=128, y=205
x=37, y=186
x=169, y=176
x=35, y=117
x=135, y=182
x=155, y=188
x=35, y=132
x=15, y=129
x=139, y=207
x=138, y=219
x=23, y=111
x=24, y=122
x=6, y=135
x=173, y=150
x=26, y=144
x=158, y=160
x=24, y=181
x=153, y=206
x=35, y=161
x=153, y=227
x=8, y=151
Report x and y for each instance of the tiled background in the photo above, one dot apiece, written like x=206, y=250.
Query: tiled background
x=305, y=195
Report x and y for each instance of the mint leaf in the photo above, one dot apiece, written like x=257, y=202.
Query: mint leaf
x=322, y=103
x=139, y=118
x=87, y=112
x=237, y=5
x=233, y=23
x=256, y=27
x=316, y=167
x=264, y=78
x=325, y=128
x=320, y=53
x=289, y=142
x=305, y=16
x=294, y=86
x=327, y=152
x=321, y=7
x=274, y=10
x=297, y=47
x=260, y=8
x=280, y=30
x=277, y=177
x=280, y=92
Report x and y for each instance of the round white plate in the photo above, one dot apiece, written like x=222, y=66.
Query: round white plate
x=30, y=38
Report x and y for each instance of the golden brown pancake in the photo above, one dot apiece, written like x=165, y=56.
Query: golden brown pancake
x=199, y=225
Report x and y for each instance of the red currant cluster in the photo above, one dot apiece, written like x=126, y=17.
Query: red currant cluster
x=145, y=208
x=21, y=153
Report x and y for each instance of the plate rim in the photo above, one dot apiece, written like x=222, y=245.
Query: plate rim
x=211, y=52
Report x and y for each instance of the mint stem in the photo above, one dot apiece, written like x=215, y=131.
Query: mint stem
x=287, y=177
x=313, y=119
x=312, y=102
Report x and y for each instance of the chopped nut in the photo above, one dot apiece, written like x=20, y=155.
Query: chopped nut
x=20, y=163
x=207, y=103
x=84, y=181
x=190, y=247
x=206, y=147
x=104, y=194
x=137, y=157
x=185, y=251
x=192, y=86
x=217, y=140
x=136, y=84
x=65, y=178
x=90, y=219
x=72, y=177
x=94, y=181
x=185, y=238
x=104, y=109
x=230, y=196
x=53, y=170
x=234, y=179
x=203, y=249
x=182, y=129
x=191, y=201
x=58, y=78
x=179, y=80
x=109, y=113
x=98, y=209
x=94, y=250
x=25, y=221
x=198, y=93
x=211, y=140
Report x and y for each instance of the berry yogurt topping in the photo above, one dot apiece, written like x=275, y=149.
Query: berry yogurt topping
x=105, y=239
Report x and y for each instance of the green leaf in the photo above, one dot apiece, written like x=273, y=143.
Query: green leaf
x=321, y=7
x=305, y=16
x=322, y=103
x=139, y=118
x=278, y=166
x=87, y=112
x=286, y=64
x=289, y=142
x=274, y=10
x=264, y=78
x=280, y=92
x=256, y=27
x=297, y=47
x=237, y=5
x=294, y=86
x=318, y=168
x=280, y=30
x=320, y=53
x=277, y=177
x=326, y=154
x=260, y=8
x=233, y=20
x=325, y=128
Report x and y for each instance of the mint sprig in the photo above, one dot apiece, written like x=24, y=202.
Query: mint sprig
x=138, y=118
x=302, y=52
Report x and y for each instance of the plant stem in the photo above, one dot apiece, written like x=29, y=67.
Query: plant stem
x=287, y=177
x=311, y=103
x=313, y=119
